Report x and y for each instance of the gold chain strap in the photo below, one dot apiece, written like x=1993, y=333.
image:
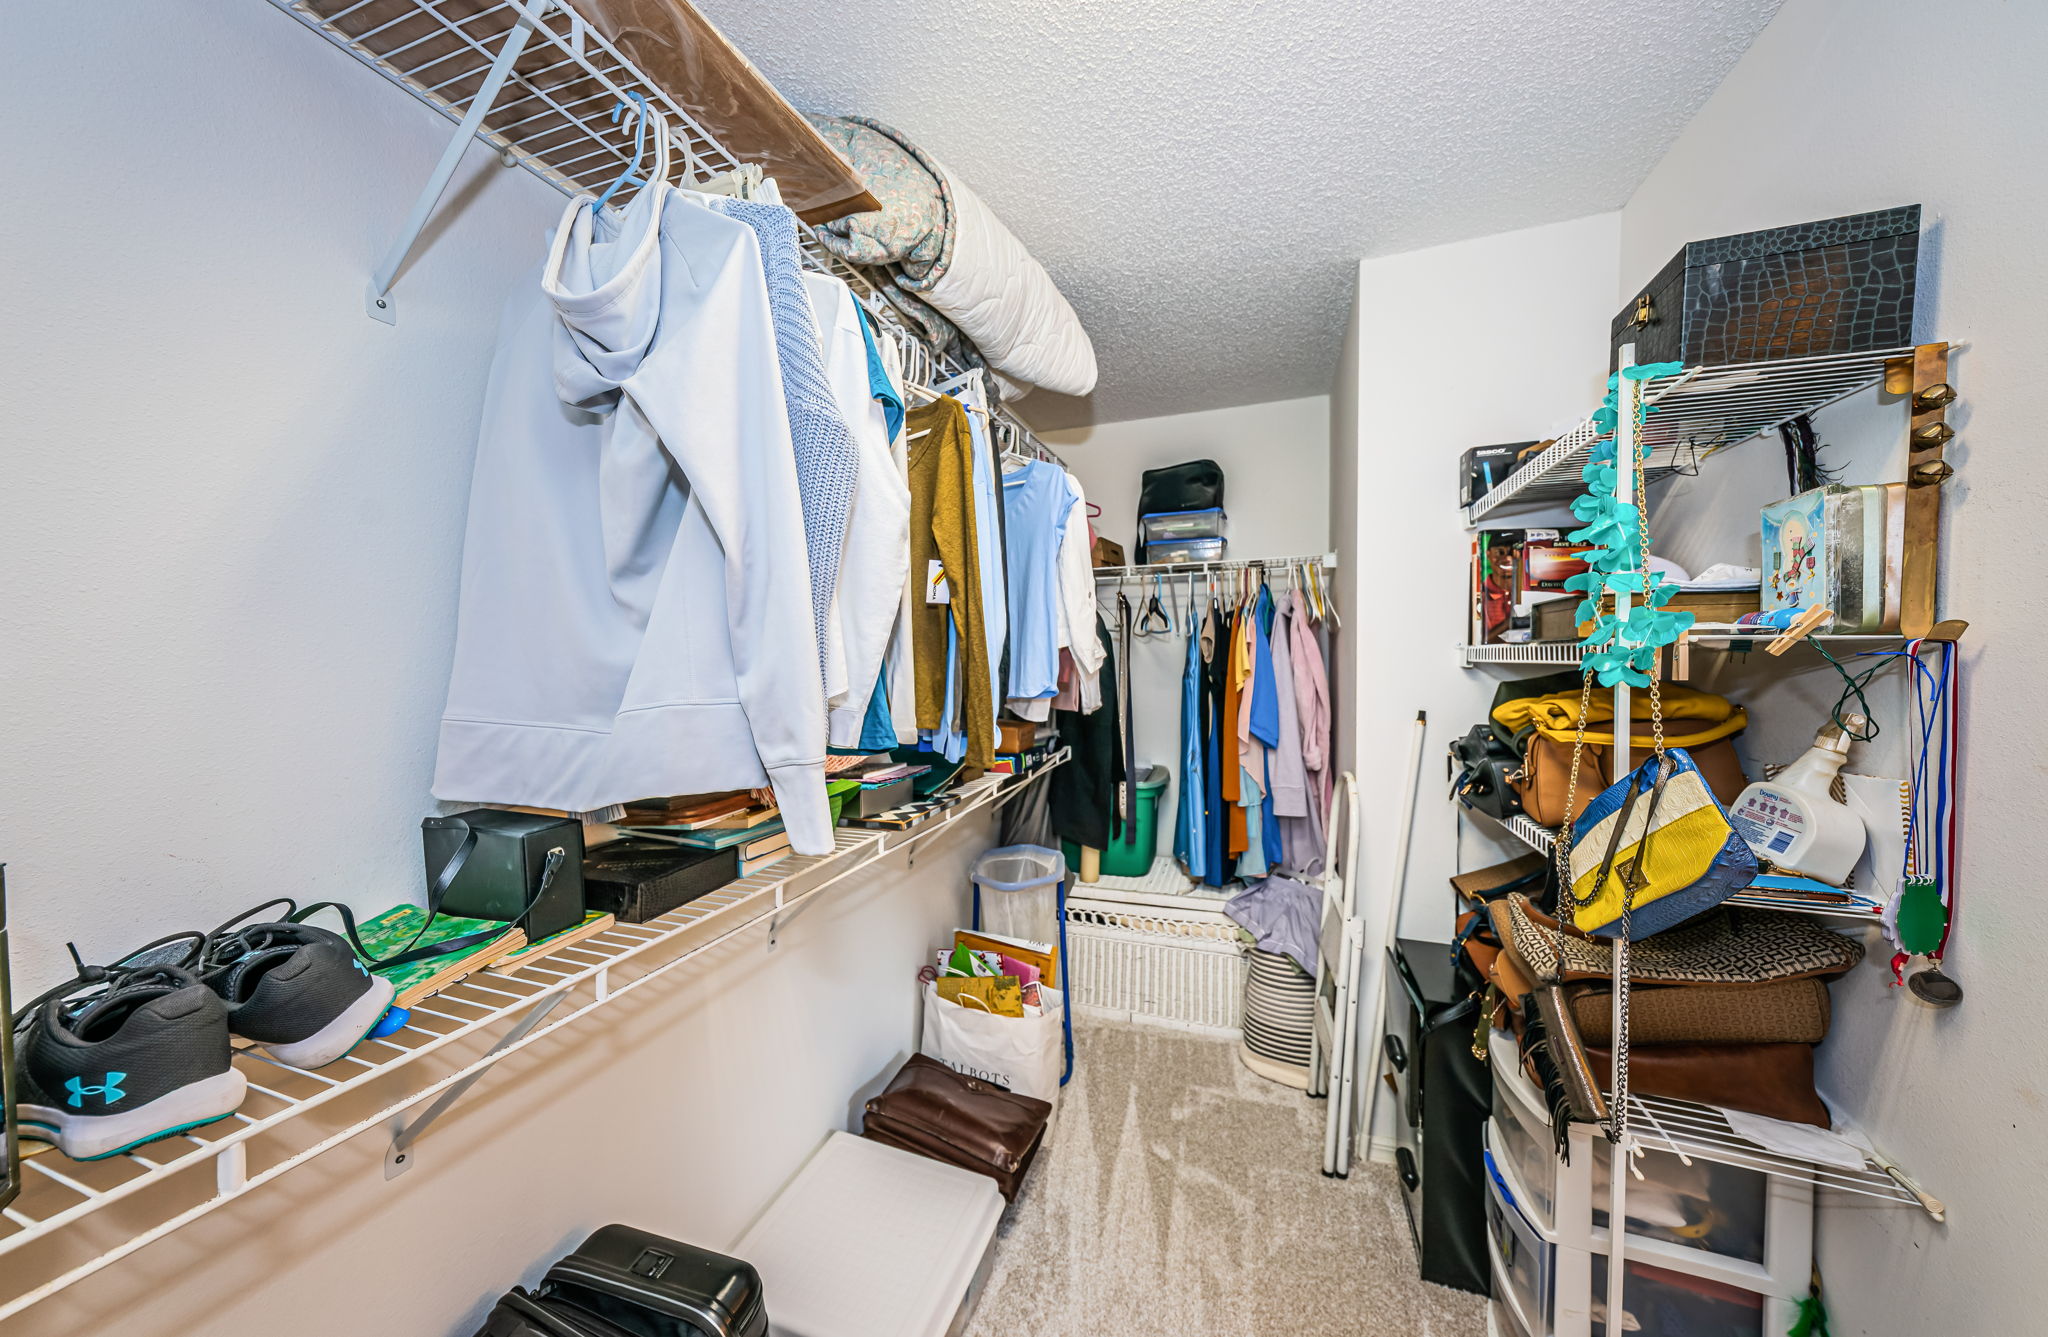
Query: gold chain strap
x=1569, y=902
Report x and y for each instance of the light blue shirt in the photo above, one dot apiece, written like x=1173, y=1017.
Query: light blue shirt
x=1036, y=502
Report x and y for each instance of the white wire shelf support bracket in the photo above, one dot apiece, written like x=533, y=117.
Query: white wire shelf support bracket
x=61, y=1200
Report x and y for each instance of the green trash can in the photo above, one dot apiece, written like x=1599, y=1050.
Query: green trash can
x=1131, y=856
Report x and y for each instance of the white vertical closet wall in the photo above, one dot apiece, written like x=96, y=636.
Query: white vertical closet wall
x=1276, y=470
x=234, y=511
x=1495, y=339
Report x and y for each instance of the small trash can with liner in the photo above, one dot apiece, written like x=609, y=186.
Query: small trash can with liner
x=1020, y=891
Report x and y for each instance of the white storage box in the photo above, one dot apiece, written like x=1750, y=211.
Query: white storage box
x=869, y=1241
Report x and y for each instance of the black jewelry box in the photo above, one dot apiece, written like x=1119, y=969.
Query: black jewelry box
x=636, y=880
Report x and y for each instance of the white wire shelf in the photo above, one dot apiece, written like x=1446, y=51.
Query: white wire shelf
x=1527, y=652
x=1696, y=412
x=1856, y=907
x=1660, y=1123
x=1689, y=1129
x=60, y=1229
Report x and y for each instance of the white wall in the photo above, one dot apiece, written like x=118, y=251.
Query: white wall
x=1498, y=339
x=1830, y=113
x=233, y=512
x=234, y=504
x=1276, y=467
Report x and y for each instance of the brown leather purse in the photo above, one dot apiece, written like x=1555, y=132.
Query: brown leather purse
x=934, y=1111
x=1544, y=776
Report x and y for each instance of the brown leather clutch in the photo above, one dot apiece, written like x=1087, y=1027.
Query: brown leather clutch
x=1775, y=1081
x=934, y=1111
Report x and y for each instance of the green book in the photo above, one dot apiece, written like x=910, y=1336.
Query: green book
x=393, y=932
x=715, y=839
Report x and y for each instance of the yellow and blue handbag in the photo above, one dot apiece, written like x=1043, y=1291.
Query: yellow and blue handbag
x=1652, y=850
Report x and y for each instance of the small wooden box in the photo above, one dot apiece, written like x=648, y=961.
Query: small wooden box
x=1554, y=619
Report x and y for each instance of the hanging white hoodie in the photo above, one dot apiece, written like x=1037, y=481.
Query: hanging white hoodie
x=868, y=600
x=634, y=620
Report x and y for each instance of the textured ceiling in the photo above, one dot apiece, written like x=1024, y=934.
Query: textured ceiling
x=1199, y=175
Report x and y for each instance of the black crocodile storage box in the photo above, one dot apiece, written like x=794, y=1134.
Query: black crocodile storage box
x=1841, y=285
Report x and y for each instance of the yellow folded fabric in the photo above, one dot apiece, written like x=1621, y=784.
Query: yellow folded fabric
x=1000, y=994
x=1561, y=709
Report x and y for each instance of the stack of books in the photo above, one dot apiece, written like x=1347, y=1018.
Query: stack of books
x=716, y=822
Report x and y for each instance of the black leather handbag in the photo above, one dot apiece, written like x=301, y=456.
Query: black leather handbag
x=1194, y=486
x=1480, y=764
x=488, y=863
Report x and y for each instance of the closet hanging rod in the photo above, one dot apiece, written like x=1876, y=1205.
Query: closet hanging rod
x=1326, y=560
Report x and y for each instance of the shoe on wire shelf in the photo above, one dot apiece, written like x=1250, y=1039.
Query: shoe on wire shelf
x=124, y=1055
x=296, y=990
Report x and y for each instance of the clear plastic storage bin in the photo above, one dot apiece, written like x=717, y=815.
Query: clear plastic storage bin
x=1524, y=1262
x=1715, y=1208
x=1173, y=526
x=1184, y=550
x=1655, y=1300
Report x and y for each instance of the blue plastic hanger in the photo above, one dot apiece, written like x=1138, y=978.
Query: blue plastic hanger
x=631, y=176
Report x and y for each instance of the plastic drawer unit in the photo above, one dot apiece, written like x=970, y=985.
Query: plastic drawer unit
x=1722, y=1221
x=1658, y=1300
x=1522, y=1140
x=1524, y=1260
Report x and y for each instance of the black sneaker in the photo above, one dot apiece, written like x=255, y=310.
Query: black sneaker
x=296, y=990
x=122, y=1056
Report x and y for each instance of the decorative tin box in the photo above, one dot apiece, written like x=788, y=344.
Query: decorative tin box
x=1837, y=547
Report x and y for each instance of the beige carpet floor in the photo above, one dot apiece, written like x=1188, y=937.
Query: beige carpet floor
x=1180, y=1194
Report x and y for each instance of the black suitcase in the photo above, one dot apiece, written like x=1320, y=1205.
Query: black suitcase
x=1445, y=1094
x=623, y=1282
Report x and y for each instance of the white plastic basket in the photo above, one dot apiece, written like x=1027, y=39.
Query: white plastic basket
x=1180, y=966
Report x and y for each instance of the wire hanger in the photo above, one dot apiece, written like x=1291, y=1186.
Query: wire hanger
x=1155, y=611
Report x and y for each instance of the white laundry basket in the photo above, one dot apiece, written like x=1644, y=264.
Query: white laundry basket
x=1279, y=1019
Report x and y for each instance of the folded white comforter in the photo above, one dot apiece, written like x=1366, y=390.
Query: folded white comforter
x=953, y=254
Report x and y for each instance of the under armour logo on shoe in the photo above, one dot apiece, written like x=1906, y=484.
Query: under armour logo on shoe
x=108, y=1092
